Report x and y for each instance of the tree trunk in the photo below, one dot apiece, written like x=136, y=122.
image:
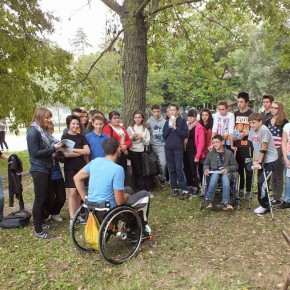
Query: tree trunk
x=135, y=67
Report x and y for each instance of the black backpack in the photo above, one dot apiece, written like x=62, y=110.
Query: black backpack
x=17, y=219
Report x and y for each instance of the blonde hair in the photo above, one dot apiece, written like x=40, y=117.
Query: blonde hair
x=39, y=116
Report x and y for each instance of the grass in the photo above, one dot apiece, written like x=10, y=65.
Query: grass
x=196, y=249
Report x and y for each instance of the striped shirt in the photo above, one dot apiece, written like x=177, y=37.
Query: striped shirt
x=276, y=131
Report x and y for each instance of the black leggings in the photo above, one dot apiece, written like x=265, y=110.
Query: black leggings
x=58, y=196
x=42, y=188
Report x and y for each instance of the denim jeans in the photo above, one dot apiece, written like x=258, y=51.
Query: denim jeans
x=1, y=199
x=160, y=151
x=287, y=187
x=174, y=158
x=213, y=182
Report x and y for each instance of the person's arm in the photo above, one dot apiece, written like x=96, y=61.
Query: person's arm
x=233, y=165
x=120, y=196
x=182, y=129
x=128, y=141
x=284, y=148
x=4, y=156
x=146, y=137
x=34, y=144
x=200, y=144
x=82, y=151
x=79, y=182
x=166, y=130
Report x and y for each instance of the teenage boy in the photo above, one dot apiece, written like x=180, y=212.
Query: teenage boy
x=2, y=156
x=265, y=157
x=96, y=138
x=106, y=180
x=175, y=131
x=155, y=125
x=267, y=104
x=223, y=123
x=240, y=143
x=220, y=162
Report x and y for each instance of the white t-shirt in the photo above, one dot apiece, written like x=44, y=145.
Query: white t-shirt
x=224, y=125
x=263, y=135
x=286, y=129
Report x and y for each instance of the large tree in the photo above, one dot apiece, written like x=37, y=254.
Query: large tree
x=138, y=16
x=28, y=61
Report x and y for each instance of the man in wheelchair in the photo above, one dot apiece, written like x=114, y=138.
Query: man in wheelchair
x=219, y=163
x=106, y=182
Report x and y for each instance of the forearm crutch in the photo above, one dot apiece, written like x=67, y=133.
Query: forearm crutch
x=267, y=189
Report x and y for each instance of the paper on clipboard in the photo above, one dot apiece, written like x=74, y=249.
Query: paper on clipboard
x=67, y=145
x=215, y=171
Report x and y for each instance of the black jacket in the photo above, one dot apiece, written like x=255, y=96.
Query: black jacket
x=15, y=180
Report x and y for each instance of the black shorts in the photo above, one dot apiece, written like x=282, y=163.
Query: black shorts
x=69, y=178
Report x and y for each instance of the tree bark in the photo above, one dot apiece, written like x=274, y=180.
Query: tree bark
x=135, y=66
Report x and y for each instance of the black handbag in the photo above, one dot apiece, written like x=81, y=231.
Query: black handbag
x=150, y=162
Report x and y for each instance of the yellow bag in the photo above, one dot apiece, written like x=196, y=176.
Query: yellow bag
x=92, y=231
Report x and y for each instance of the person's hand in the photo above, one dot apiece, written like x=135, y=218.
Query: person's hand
x=196, y=160
x=206, y=172
x=234, y=148
x=287, y=163
x=224, y=171
x=256, y=165
x=123, y=148
x=58, y=146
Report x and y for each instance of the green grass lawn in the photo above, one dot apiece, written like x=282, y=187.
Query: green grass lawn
x=197, y=249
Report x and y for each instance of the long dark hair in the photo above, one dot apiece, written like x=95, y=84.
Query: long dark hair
x=210, y=119
x=143, y=117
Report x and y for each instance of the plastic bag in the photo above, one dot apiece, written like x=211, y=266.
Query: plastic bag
x=92, y=231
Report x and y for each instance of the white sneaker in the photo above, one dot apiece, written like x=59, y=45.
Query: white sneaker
x=56, y=218
x=260, y=210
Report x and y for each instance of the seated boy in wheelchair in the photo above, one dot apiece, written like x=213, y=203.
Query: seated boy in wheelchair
x=219, y=163
x=106, y=183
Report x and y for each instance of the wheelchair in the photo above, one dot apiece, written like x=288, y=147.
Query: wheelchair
x=122, y=229
x=234, y=199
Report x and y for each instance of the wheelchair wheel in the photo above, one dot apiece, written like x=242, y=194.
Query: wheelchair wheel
x=120, y=235
x=77, y=230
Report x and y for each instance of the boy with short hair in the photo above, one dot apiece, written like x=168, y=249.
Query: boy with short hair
x=175, y=131
x=267, y=104
x=221, y=161
x=240, y=143
x=96, y=138
x=223, y=123
x=155, y=126
x=265, y=157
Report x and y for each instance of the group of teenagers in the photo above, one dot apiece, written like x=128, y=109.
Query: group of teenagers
x=215, y=145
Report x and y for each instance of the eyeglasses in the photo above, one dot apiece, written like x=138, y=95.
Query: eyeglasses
x=276, y=108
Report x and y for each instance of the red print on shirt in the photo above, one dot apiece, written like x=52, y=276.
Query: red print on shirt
x=256, y=139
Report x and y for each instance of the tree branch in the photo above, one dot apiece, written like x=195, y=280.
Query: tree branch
x=141, y=8
x=113, y=5
x=103, y=52
x=181, y=2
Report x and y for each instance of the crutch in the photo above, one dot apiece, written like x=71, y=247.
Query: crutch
x=267, y=189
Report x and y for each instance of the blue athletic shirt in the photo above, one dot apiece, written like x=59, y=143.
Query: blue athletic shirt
x=105, y=177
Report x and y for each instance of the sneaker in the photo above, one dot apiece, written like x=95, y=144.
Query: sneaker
x=208, y=204
x=284, y=205
x=56, y=218
x=275, y=201
x=227, y=207
x=151, y=195
x=175, y=192
x=45, y=226
x=41, y=235
x=260, y=210
x=184, y=195
x=241, y=193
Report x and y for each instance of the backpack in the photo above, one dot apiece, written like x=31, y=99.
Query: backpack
x=17, y=219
